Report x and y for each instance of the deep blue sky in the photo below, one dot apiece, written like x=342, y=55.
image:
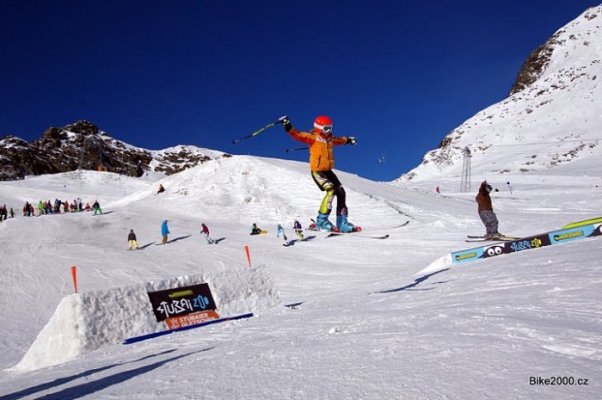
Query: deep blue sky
x=398, y=75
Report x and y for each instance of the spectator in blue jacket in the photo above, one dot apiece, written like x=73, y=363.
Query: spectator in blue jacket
x=164, y=231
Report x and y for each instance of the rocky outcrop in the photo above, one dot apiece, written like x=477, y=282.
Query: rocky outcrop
x=83, y=145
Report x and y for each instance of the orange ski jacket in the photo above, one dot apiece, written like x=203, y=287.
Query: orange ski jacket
x=321, y=156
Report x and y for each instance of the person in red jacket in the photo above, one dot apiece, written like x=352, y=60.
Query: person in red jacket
x=205, y=231
x=321, y=162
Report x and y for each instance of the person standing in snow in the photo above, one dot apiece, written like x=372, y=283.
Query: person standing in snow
x=298, y=230
x=321, y=163
x=132, y=242
x=164, y=231
x=485, y=209
x=205, y=231
x=95, y=206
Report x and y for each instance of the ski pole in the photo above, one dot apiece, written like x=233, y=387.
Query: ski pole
x=297, y=149
x=257, y=132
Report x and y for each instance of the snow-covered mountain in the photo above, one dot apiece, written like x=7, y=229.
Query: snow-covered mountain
x=82, y=145
x=552, y=118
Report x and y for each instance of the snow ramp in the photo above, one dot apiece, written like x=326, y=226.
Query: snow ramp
x=85, y=322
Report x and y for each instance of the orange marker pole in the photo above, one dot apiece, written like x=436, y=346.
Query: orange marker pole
x=74, y=277
x=248, y=255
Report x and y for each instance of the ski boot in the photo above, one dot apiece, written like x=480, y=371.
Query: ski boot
x=323, y=224
x=494, y=236
x=346, y=226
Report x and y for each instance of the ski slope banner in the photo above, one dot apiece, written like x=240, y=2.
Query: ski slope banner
x=527, y=243
x=184, y=306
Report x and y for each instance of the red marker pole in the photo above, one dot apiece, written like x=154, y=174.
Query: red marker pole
x=248, y=255
x=74, y=277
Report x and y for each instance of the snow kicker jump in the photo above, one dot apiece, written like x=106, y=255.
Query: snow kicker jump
x=526, y=243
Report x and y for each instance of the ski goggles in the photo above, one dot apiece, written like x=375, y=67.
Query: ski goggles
x=323, y=128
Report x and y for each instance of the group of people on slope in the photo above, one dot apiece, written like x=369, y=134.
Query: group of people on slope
x=49, y=208
x=133, y=241
x=297, y=228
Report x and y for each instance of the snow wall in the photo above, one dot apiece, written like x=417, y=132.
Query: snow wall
x=87, y=321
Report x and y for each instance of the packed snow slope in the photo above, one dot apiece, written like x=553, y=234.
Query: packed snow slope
x=553, y=123
x=375, y=321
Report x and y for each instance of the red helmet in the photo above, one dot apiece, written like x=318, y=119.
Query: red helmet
x=323, y=124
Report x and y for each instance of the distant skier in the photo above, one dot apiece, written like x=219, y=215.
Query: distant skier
x=321, y=162
x=132, y=242
x=280, y=231
x=486, y=213
x=161, y=189
x=255, y=229
x=205, y=231
x=95, y=206
x=164, y=231
x=438, y=190
x=298, y=230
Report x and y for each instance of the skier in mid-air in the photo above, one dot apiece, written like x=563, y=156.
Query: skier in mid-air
x=321, y=162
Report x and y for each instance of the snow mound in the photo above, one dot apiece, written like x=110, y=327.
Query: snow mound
x=85, y=322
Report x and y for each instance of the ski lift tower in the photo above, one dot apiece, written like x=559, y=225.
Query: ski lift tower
x=466, y=171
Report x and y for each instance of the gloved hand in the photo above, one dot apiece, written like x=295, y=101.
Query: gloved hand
x=285, y=122
x=351, y=140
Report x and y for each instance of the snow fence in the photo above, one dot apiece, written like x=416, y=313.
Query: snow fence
x=87, y=321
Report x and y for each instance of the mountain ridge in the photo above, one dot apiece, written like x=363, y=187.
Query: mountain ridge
x=82, y=145
x=550, y=117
